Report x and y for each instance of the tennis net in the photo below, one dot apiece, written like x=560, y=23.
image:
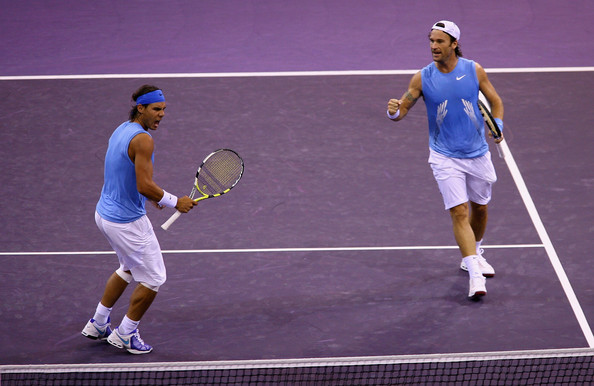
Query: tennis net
x=540, y=367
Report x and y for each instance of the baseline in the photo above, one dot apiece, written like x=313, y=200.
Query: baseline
x=281, y=73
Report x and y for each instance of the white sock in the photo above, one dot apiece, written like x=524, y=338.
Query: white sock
x=472, y=265
x=478, y=246
x=101, y=314
x=127, y=326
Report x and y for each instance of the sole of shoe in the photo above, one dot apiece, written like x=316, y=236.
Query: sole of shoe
x=115, y=343
x=477, y=295
x=137, y=352
x=89, y=336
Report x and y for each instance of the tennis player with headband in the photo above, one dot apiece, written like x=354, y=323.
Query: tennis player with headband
x=458, y=152
x=121, y=217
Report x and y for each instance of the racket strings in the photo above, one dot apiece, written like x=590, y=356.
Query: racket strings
x=219, y=173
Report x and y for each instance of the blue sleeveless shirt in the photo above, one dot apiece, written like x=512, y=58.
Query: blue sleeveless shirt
x=120, y=200
x=456, y=127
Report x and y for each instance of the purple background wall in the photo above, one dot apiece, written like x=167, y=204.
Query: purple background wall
x=73, y=37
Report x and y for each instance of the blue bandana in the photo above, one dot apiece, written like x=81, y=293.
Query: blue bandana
x=151, y=97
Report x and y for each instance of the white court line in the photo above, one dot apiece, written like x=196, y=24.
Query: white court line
x=264, y=250
x=279, y=73
x=548, y=245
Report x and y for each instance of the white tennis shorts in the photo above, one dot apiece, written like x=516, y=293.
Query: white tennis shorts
x=463, y=180
x=137, y=248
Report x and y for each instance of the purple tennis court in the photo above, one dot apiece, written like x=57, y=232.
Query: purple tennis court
x=335, y=242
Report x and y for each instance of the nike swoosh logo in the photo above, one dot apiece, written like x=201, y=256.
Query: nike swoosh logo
x=126, y=342
x=460, y=77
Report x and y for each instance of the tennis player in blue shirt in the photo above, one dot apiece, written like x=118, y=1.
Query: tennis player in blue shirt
x=121, y=217
x=458, y=152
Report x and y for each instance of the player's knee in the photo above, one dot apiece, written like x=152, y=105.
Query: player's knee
x=479, y=208
x=459, y=212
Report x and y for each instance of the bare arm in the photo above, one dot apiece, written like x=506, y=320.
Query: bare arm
x=489, y=92
x=140, y=152
x=409, y=98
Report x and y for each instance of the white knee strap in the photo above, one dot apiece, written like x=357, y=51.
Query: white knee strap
x=124, y=275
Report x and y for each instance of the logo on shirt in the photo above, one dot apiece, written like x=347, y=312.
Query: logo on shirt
x=460, y=77
x=469, y=110
x=441, y=112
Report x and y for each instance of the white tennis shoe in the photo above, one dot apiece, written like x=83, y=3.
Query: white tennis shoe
x=477, y=287
x=131, y=342
x=486, y=269
x=93, y=330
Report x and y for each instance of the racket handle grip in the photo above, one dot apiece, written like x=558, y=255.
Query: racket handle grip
x=171, y=220
x=500, y=149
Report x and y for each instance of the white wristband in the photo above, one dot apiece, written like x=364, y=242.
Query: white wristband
x=168, y=200
x=395, y=115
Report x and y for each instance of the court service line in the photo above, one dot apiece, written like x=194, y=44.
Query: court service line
x=278, y=73
x=548, y=245
x=277, y=250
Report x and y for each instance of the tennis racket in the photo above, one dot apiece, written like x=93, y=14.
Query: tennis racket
x=490, y=122
x=220, y=171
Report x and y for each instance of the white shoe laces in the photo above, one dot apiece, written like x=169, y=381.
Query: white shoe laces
x=137, y=335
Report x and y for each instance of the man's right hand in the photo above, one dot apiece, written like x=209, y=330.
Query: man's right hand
x=394, y=105
x=185, y=204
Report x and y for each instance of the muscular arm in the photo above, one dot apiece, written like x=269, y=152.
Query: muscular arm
x=489, y=92
x=409, y=98
x=140, y=152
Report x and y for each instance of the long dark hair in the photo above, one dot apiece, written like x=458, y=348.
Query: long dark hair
x=458, y=49
x=144, y=89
